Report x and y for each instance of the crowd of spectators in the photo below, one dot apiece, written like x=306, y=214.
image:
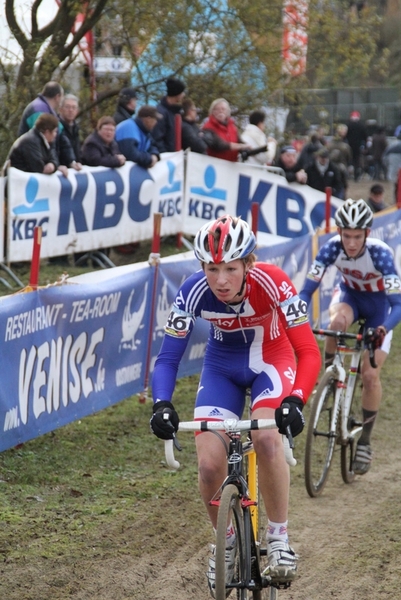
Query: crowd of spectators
x=50, y=140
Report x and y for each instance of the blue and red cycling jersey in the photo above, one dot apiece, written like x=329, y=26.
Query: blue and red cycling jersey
x=251, y=345
x=369, y=283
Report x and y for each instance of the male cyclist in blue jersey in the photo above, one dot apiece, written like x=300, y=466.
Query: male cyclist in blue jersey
x=257, y=323
x=370, y=289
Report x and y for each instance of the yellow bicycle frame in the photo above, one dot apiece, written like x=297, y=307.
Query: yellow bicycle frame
x=252, y=480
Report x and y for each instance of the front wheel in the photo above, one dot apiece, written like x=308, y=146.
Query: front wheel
x=354, y=427
x=230, y=512
x=321, y=435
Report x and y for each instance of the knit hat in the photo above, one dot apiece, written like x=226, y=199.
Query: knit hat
x=174, y=86
x=126, y=94
x=289, y=149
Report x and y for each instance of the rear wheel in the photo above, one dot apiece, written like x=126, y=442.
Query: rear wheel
x=230, y=511
x=354, y=426
x=321, y=437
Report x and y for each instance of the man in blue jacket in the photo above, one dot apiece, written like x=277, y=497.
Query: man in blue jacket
x=134, y=137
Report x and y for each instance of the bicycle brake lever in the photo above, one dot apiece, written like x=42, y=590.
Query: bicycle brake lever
x=372, y=357
x=177, y=443
x=175, y=440
x=288, y=433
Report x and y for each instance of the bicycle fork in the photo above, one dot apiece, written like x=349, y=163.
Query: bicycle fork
x=349, y=431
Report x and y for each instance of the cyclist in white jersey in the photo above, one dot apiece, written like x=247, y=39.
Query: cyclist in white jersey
x=370, y=289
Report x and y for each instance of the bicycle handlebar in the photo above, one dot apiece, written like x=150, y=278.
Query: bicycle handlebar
x=227, y=426
x=339, y=334
x=349, y=336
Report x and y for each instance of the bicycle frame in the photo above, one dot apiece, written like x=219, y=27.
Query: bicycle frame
x=247, y=489
x=346, y=379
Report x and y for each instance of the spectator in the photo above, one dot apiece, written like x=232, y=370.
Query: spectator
x=46, y=102
x=254, y=135
x=322, y=173
x=34, y=151
x=379, y=145
x=70, y=154
x=100, y=148
x=340, y=154
x=169, y=106
x=392, y=160
x=134, y=137
x=126, y=105
x=376, y=198
x=307, y=155
x=221, y=133
x=357, y=140
x=191, y=135
x=288, y=161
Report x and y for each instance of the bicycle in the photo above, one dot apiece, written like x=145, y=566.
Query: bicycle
x=336, y=411
x=239, y=504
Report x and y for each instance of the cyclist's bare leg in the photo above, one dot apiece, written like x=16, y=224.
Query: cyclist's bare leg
x=371, y=397
x=372, y=388
x=274, y=484
x=212, y=469
x=274, y=475
x=341, y=317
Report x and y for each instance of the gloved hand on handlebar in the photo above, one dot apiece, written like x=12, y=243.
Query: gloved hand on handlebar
x=162, y=427
x=294, y=418
x=375, y=337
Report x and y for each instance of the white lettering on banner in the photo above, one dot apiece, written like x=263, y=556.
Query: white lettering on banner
x=197, y=351
x=170, y=207
x=102, y=305
x=37, y=319
x=66, y=376
x=393, y=230
x=276, y=260
x=128, y=374
x=11, y=420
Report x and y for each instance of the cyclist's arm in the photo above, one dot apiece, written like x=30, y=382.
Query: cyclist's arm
x=393, y=292
x=310, y=286
x=325, y=257
x=308, y=360
x=383, y=261
x=294, y=317
x=178, y=331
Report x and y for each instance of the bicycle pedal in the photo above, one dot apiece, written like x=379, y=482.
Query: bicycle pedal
x=282, y=586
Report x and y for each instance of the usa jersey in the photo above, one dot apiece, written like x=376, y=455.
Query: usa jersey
x=373, y=272
x=245, y=339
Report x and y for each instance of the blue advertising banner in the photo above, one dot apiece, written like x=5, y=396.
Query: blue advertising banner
x=69, y=351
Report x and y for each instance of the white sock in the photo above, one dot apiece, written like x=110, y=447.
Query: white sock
x=277, y=531
x=230, y=535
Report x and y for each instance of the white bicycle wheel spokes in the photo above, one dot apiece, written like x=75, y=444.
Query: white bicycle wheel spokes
x=226, y=579
x=354, y=427
x=321, y=435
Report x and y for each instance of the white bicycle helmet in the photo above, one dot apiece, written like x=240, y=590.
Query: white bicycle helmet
x=354, y=214
x=224, y=240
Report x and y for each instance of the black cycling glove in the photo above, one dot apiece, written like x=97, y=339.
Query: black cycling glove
x=294, y=418
x=161, y=427
x=375, y=336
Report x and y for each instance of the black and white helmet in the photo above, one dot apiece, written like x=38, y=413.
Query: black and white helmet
x=354, y=214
